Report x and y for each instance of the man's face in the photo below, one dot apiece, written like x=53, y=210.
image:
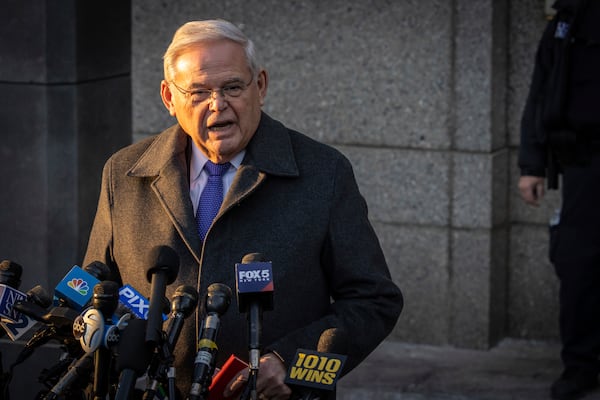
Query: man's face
x=220, y=124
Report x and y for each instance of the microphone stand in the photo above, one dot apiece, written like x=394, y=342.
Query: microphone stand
x=183, y=304
x=255, y=294
x=105, y=300
x=83, y=364
x=216, y=303
x=255, y=332
x=171, y=376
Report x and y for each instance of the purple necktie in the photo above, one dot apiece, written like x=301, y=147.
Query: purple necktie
x=211, y=197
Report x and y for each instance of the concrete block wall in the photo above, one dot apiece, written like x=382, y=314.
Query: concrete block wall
x=65, y=79
x=65, y=76
x=424, y=98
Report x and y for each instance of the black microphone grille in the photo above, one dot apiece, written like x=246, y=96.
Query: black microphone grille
x=218, y=298
x=106, y=289
x=252, y=257
x=186, y=291
x=40, y=296
x=10, y=273
x=185, y=300
x=219, y=288
x=106, y=297
x=163, y=258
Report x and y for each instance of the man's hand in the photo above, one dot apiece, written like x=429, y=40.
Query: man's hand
x=532, y=189
x=270, y=383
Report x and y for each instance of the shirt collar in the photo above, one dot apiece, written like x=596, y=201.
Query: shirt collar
x=198, y=160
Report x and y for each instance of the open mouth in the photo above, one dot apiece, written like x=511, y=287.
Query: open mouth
x=219, y=126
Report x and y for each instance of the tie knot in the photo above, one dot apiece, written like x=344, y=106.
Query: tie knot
x=216, y=169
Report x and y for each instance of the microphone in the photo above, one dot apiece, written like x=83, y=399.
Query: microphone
x=183, y=304
x=94, y=328
x=8, y=297
x=312, y=375
x=254, y=282
x=163, y=271
x=133, y=357
x=97, y=334
x=134, y=301
x=216, y=303
x=10, y=273
x=59, y=321
x=130, y=300
x=73, y=293
x=36, y=304
x=98, y=270
x=104, y=302
x=38, y=300
x=75, y=288
x=78, y=368
x=40, y=296
x=10, y=280
x=254, y=290
x=77, y=278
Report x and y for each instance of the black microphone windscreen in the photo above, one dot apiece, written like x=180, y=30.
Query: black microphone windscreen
x=40, y=296
x=61, y=317
x=98, y=270
x=218, y=298
x=133, y=352
x=165, y=259
x=106, y=297
x=10, y=273
x=185, y=300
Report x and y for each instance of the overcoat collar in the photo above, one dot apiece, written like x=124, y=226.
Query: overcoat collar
x=269, y=152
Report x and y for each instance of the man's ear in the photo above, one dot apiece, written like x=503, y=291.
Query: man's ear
x=263, y=82
x=167, y=97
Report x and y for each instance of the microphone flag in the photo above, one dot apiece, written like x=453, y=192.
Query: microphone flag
x=76, y=288
x=315, y=369
x=254, y=280
x=8, y=297
x=134, y=301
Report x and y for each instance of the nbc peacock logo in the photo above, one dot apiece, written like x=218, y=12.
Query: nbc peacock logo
x=79, y=285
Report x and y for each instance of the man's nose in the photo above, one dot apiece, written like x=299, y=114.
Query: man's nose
x=217, y=100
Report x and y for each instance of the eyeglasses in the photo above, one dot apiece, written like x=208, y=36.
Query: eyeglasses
x=230, y=90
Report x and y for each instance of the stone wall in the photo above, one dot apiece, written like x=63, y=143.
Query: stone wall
x=425, y=98
x=65, y=79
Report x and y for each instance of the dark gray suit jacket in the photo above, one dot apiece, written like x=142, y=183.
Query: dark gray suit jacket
x=294, y=200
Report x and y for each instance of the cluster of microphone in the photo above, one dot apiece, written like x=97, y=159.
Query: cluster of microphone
x=116, y=342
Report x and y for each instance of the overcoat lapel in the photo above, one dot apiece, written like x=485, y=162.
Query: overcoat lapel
x=247, y=178
x=269, y=152
x=165, y=160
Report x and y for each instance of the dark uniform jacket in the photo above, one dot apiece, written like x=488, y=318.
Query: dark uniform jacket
x=562, y=106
